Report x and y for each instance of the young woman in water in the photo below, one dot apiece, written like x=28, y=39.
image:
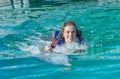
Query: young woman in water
x=68, y=34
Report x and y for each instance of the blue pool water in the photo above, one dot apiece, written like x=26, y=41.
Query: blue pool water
x=25, y=26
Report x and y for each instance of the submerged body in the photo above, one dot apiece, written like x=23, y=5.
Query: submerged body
x=54, y=58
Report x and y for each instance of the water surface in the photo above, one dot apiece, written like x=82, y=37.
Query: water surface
x=25, y=26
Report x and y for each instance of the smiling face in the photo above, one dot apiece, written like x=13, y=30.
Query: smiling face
x=69, y=33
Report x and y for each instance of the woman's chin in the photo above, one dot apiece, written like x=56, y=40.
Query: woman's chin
x=69, y=41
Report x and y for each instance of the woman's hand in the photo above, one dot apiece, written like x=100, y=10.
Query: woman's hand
x=48, y=48
x=78, y=51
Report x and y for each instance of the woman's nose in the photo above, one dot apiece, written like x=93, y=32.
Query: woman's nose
x=70, y=33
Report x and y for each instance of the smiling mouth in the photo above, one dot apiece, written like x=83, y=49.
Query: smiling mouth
x=70, y=38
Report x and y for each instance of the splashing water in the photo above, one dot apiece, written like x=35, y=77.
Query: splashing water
x=70, y=48
x=25, y=28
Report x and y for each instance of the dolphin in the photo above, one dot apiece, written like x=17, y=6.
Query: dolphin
x=54, y=58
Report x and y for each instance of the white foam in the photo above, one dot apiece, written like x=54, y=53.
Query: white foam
x=4, y=32
x=32, y=49
x=70, y=48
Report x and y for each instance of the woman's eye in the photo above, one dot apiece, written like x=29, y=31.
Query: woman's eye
x=68, y=32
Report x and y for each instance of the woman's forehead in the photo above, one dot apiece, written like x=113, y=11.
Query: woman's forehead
x=69, y=28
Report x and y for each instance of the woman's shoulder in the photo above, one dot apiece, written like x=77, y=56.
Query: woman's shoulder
x=79, y=40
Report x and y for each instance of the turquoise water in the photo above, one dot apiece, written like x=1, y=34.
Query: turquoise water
x=26, y=26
